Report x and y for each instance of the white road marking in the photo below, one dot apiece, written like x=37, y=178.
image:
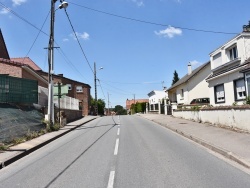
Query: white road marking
x=116, y=146
x=111, y=179
x=118, y=131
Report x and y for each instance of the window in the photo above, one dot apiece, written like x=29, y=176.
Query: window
x=182, y=93
x=219, y=94
x=239, y=89
x=232, y=53
x=217, y=60
x=79, y=89
x=69, y=86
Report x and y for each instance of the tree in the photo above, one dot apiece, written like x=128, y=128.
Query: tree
x=138, y=107
x=119, y=110
x=100, y=104
x=175, y=78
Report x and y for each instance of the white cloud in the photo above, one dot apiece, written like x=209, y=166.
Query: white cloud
x=170, y=32
x=18, y=2
x=4, y=11
x=65, y=40
x=195, y=63
x=84, y=35
x=139, y=3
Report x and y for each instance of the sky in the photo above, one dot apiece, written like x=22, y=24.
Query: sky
x=138, y=43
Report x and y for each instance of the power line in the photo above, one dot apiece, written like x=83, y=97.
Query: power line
x=79, y=42
x=17, y=15
x=117, y=88
x=152, y=23
x=66, y=59
x=40, y=30
x=101, y=89
x=136, y=83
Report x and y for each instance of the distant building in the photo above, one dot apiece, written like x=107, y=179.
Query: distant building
x=155, y=97
x=134, y=101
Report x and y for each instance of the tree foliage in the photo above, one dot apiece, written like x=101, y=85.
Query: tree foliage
x=175, y=78
x=119, y=110
x=100, y=104
x=138, y=107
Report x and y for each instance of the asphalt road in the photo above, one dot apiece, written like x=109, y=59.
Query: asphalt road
x=122, y=152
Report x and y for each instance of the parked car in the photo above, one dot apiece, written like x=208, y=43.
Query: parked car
x=200, y=101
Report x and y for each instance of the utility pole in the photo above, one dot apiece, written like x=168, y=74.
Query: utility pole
x=51, y=65
x=96, y=106
x=51, y=60
x=108, y=103
x=134, y=103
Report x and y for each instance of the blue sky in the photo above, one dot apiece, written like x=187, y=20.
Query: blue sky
x=139, y=43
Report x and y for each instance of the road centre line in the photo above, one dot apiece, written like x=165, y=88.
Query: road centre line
x=118, y=131
x=116, y=146
x=111, y=179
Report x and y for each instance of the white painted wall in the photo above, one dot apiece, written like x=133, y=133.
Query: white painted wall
x=233, y=118
x=243, y=46
x=228, y=80
x=196, y=87
x=154, y=99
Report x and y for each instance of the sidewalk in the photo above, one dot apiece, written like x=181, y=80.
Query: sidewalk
x=18, y=151
x=231, y=144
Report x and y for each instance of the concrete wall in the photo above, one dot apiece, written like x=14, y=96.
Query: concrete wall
x=237, y=118
x=71, y=115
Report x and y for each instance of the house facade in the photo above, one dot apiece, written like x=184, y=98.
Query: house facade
x=229, y=82
x=193, y=85
x=156, y=97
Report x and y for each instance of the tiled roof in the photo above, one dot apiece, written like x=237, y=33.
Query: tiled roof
x=8, y=61
x=27, y=61
x=3, y=49
x=188, y=77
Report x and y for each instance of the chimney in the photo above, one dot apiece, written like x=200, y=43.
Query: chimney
x=246, y=28
x=189, y=68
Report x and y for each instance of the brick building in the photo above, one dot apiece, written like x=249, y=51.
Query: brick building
x=26, y=68
x=130, y=102
x=78, y=90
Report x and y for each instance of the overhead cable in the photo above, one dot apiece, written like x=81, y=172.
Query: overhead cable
x=78, y=41
x=153, y=23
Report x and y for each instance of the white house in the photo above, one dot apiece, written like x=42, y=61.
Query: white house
x=230, y=78
x=193, y=85
x=156, y=97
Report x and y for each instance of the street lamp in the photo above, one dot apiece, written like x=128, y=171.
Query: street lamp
x=96, y=105
x=51, y=60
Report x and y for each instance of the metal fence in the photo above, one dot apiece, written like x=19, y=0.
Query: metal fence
x=18, y=90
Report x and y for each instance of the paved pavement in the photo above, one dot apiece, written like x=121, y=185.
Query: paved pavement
x=229, y=143
x=18, y=151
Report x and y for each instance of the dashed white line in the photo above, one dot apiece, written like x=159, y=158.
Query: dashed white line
x=111, y=179
x=116, y=146
x=118, y=131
